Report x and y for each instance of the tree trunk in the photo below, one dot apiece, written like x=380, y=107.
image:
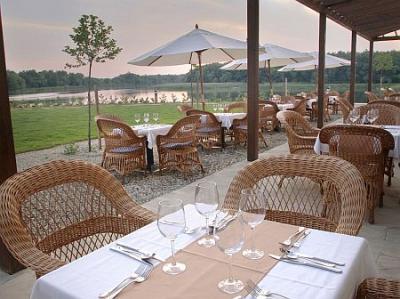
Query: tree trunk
x=89, y=108
x=381, y=80
x=96, y=100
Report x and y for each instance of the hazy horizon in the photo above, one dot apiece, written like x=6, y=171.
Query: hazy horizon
x=35, y=32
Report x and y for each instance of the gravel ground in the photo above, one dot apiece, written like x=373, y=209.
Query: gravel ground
x=144, y=188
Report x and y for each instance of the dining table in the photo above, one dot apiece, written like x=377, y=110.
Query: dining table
x=151, y=131
x=226, y=119
x=102, y=269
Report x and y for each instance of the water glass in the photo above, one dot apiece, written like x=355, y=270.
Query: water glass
x=372, y=115
x=230, y=241
x=206, y=201
x=156, y=117
x=146, y=118
x=354, y=115
x=137, y=118
x=252, y=207
x=171, y=222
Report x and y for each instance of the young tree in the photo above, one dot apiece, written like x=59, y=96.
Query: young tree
x=383, y=62
x=91, y=43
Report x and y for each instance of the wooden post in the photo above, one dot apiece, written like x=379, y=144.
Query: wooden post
x=253, y=9
x=353, y=65
x=7, y=152
x=321, y=68
x=370, y=63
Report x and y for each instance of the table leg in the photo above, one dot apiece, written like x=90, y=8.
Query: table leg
x=222, y=137
x=150, y=158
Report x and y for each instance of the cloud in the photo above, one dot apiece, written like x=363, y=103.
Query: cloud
x=37, y=26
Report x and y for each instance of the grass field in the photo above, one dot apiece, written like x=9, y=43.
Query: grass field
x=38, y=128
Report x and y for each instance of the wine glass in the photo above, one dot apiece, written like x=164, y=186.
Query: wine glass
x=171, y=222
x=372, y=115
x=230, y=241
x=215, y=108
x=146, y=118
x=137, y=118
x=156, y=117
x=354, y=115
x=253, y=208
x=206, y=201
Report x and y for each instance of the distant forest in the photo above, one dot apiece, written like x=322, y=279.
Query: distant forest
x=386, y=65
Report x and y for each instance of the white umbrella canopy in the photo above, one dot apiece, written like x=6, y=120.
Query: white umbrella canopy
x=330, y=62
x=274, y=54
x=196, y=47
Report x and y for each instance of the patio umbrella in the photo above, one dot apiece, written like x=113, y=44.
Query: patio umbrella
x=330, y=63
x=196, y=47
x=274, y=56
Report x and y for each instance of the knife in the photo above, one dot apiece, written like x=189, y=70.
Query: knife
x=136, y=251
x=317, y=258
x=304, y=263
x=131, y=255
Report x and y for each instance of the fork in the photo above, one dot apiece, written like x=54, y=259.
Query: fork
x=140, y=275
x=252, y=288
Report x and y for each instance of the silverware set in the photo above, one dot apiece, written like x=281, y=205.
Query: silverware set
x=297, y=258
x=140, y=275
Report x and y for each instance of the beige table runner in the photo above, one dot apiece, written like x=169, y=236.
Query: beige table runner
x=205, y=267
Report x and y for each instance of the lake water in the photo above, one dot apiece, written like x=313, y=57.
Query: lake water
x=108, y=96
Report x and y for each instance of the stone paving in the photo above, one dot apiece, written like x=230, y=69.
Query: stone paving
x=383, y=237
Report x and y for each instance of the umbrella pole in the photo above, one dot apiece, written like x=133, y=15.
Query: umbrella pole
x=271, y=92
x=203, y=104
x=191, y=84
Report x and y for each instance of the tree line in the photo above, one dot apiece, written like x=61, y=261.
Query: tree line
x=386, y=64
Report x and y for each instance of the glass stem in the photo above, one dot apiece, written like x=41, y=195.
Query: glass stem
x=173, y=252
x=230, y=277
x=253, y=238
x=207, y=230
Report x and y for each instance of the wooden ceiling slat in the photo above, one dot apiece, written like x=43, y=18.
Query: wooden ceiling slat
x=370, y=18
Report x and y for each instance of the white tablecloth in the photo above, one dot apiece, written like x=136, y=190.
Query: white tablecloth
x=332, y=100
x=226, y=119
x=323, y=148
x=151, y=132
x=99, y=271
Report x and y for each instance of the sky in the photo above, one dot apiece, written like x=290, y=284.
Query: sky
x=35, y=32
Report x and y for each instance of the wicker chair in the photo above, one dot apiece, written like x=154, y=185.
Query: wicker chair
x=59, y=211
x=386, y=102
x=345, y=107
x=272, y=109
x=209, y=133
x=239, y=128
x=301, y=136
x=124, y=151
x=318, y=192
x=236, y=106
x=372, y=97
x=388, y=114
x=300, y=107
x=394, y=97
x=366, y=147
x=183, y=108
x=287, y=100
x=326, y=108
x=379, y=288
x=177, y=149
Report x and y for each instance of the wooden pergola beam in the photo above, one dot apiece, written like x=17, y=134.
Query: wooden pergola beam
x=386, y=38
x=353, y=66
x=253, y=13
x=7, y=153
x=321, y=69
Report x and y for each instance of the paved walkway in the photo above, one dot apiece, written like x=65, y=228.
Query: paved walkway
x=384, y=237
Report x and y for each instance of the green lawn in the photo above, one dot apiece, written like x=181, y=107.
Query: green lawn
x=39, y=128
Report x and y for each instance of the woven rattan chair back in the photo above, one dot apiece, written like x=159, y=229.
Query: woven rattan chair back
x=183, y=108
x=319, y=192
x=57, y=212
x=236, y=107
x=345, y=107
x=379, y=288
x=394, y=97
x=388, y=114
x=366, y=147
x=301, y=136
x=209, y=131
x=287, y=100
x=386, y=102
x=300, y=106
x=372, y=97
x=124, y=151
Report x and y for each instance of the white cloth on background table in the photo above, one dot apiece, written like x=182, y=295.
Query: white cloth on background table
x=151, y=131
x=310, y=102
x=323, y=148
x=226, y=119
x=101, y=270
x=282, y=107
